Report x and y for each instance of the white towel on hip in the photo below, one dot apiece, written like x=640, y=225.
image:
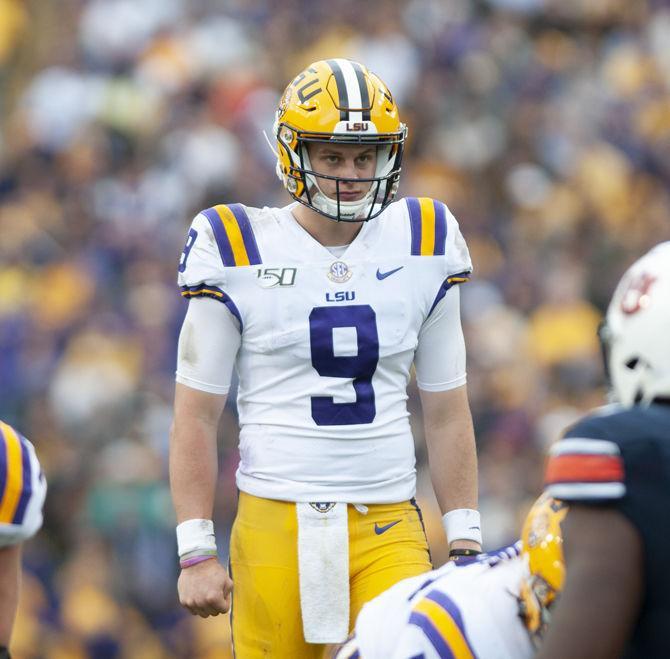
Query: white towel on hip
x=323, y=563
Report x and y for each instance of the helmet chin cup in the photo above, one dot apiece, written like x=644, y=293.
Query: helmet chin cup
x=345, y=211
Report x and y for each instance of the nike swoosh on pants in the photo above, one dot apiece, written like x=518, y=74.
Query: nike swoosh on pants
x=382, y=529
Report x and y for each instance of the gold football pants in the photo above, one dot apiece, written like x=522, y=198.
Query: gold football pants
x=385, y=545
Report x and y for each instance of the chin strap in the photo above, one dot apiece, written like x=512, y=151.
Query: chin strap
x=267, y=139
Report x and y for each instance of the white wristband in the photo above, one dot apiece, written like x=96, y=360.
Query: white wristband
x=462, y=524
x=195, y=534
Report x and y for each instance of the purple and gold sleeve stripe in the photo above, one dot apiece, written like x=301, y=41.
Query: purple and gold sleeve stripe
x=15, y=476
x=428, y=226
x=450, y=281
x=234, y=235
x=205, y=290
x=438, y=616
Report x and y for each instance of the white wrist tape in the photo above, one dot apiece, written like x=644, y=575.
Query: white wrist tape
x=195, y=534
x=462, y=524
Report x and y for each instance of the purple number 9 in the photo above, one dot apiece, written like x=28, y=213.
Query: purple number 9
x=361, y=367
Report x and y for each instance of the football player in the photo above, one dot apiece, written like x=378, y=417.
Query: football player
x=614, y=469
x=22, y=492
x=322, y=307
x=493, y=606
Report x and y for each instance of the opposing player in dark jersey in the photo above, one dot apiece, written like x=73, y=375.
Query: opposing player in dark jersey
x=614, y=469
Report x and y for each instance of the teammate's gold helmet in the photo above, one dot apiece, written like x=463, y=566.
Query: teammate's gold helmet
x=542, y=551
x=338, y=101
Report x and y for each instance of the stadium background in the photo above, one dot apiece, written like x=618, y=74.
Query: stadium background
x=544, y=125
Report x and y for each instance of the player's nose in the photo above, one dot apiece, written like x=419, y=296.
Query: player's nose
x=349, y=170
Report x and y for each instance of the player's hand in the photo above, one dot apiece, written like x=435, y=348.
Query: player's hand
x=204, y=589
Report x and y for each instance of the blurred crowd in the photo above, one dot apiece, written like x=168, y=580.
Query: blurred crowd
x=543, y=124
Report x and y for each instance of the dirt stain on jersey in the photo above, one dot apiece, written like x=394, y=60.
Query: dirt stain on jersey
x=187, y=344
x=210, y=234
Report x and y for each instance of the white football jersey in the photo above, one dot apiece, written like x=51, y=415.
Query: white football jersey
x=460, y=610
x=327, y=342
x=22, y=488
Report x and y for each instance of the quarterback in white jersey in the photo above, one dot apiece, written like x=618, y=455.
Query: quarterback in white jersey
x=22, y=492
x=322, y=314
x=324, y=342
x=487, y=607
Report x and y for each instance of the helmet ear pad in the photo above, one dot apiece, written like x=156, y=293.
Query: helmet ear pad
x=287, y=167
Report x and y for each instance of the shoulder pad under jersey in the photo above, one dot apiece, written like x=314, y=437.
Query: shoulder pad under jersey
x=435, y=232
x=234, y=235
x=220, y=237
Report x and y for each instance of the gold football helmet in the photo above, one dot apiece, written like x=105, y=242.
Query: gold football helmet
x=338, y=101
x=542, y=551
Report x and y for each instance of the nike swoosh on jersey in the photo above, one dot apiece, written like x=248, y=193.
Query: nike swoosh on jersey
x=382, y=529
x=384, y=275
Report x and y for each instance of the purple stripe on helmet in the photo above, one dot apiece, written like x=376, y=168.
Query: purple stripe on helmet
x=205, y=290
x=343, y=95
x=3, y=463
x=363, y=86
x=247, y=233
x=222, y=241
x=415, y=224
x=446, y=285
x=440, y=227
x=27, y=489
x=444, y=601
x=424, y=623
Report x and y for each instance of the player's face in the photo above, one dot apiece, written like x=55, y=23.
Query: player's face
x=350, y=161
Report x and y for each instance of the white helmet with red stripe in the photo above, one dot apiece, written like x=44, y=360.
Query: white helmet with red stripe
x=636, y=332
